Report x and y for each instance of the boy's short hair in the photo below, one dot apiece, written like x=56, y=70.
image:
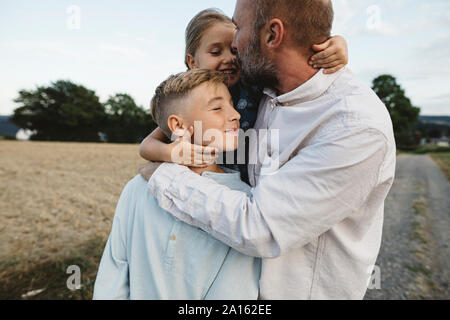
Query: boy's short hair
x=168, y=98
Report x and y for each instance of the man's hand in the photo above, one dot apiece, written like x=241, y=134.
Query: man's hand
x=148, y=170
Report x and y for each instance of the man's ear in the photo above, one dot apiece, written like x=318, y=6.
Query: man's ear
x=274, y=34
x=175, y=124
x=191, y=62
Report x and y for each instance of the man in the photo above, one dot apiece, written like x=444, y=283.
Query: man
x=317, y=214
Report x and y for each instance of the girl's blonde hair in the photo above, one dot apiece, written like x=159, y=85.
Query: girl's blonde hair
x=198, y=26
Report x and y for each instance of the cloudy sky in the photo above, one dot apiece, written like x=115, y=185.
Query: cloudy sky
x=131, y=46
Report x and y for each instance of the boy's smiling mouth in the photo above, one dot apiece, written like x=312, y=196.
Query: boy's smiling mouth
x=234, y=131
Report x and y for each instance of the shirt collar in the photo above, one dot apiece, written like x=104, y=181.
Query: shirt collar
x=308, y=91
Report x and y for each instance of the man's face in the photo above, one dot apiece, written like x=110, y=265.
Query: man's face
x=256, y=67
x=211, y=105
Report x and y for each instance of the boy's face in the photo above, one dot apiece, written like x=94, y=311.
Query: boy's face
x=215, y=52
x=211, y=106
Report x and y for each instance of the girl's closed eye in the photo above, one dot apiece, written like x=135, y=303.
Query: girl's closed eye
x=217, y=109
x=216, y=53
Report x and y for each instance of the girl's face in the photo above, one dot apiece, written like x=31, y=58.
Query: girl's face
x=215, y=52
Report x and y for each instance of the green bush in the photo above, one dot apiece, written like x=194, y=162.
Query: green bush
x=8, y=137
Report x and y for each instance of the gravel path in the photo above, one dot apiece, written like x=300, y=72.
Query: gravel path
x=414, y=260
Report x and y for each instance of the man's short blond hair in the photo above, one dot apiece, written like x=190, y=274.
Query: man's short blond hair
x=168, y=98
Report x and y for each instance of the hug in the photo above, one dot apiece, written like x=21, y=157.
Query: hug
x=310, y=228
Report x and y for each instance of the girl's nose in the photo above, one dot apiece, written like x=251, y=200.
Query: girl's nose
x=230, y=57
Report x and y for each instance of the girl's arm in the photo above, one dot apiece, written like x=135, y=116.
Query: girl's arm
x=333, y=55
x=157, y=148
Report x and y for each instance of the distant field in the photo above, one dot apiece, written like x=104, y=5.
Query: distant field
x=57, y=202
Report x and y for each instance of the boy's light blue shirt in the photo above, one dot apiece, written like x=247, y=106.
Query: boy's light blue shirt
x=152, y=256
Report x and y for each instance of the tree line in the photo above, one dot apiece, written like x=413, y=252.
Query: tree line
x=65, y=111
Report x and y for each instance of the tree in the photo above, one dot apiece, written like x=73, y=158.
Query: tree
x=403, y=114
x=63, y=111
x=125, y=121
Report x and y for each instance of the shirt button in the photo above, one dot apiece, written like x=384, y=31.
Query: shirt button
x=173, y=238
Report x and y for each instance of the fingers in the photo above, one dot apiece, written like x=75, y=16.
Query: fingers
x=322, y=46
x=323, y=55
x=148, y=170
x=204, y=150
x=322, y=63
x=334, y=69
x=193, y=155
x=330, y=65
x=207, y=154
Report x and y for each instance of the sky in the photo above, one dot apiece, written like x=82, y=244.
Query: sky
x=112, y=46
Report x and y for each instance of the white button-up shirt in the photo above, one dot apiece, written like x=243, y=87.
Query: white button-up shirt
x=316, y=209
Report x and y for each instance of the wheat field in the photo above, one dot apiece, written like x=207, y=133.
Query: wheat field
x=54, y=197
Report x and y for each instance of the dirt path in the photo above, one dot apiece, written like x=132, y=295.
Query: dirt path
x=414, y=260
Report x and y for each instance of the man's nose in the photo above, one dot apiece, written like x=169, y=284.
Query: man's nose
x=233, y=44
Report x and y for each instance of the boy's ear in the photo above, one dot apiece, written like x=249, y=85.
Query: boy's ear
x=175, y=124
x=274, y=34
x=191, y=61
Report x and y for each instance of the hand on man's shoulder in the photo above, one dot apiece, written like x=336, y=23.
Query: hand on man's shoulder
x=147, y=171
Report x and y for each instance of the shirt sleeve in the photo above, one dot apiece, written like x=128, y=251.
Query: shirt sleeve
x=319, y=187
x=112, y=281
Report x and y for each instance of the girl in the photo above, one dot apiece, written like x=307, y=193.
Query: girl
x=209, y=36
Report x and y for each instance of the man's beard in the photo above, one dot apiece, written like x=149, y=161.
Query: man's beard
x=257, y=69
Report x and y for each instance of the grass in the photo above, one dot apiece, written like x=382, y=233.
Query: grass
x=419, y=208
x=51, y=276
x=57, y=202
x=443, y=160
x=419, y=268
x=420, y=213
x=431, y=149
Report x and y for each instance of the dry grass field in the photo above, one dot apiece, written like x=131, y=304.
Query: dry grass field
x=57, y=201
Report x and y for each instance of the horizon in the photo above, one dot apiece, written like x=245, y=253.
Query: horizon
x=114, y=47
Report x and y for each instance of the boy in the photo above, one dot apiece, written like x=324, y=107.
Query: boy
x=150, y=254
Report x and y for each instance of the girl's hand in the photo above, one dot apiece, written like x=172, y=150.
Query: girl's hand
x=333, y=55
x=191, y=155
